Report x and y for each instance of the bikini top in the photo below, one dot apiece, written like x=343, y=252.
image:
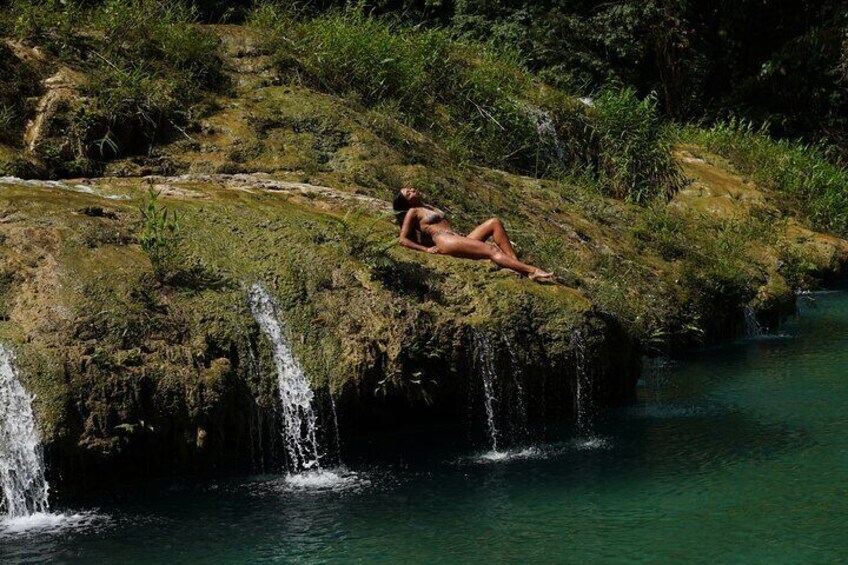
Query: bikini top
x=434, y=216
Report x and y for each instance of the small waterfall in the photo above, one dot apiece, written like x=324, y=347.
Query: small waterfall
x=21, y=459
x=337, y=435
x=300, y=422
x=752, y=325
x=486, y=367
x=521, y=432
x=546, y=130
x=510, y=411
x=583, y=392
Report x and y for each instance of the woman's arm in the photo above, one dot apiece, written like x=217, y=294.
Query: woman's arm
x=405, y=241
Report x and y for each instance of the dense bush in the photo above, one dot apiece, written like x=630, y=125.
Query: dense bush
x=802, y=171
x=635, y=155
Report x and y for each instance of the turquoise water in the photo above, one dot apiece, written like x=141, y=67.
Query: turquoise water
x=737, y=454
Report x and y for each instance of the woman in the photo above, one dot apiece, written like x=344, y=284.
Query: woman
x=424, y=223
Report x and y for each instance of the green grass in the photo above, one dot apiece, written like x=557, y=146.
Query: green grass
x=802, y=171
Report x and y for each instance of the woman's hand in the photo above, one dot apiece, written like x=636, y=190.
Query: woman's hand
x=434, y=250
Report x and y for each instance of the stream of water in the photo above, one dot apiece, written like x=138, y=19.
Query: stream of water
x=736, y=454
x=300, y=420
x=24, y=489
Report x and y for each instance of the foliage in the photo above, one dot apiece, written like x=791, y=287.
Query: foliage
x=802, y=171
x=160, y=236
x=469, y=93
x=663, y=228
x=147, y=67
x=52, y=23
x=481, y=103
x=635, y=147
x=19, y=82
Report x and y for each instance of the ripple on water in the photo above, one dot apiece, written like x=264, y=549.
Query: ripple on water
x=668, y=411
x=49, y=523
x=591, y=443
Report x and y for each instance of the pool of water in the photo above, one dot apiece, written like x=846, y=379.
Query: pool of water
x=737, y=454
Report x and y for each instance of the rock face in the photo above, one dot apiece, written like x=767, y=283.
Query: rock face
x=135, y=374
x=145, y=364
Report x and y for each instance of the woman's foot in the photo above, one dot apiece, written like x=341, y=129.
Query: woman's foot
x=541, y=276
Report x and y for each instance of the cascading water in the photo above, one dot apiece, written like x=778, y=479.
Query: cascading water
x=21, y=459
x=300, y=422
x=521, y=432
x=546, y=130
x=752, y=325
x=583, y=392
x=516, y=431
x=486, y=367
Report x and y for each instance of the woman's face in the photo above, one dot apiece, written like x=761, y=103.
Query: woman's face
x=412, y=196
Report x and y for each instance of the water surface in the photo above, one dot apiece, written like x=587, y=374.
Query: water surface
x=737, y=454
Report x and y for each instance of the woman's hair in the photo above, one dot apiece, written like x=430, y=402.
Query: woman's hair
x=401, y=207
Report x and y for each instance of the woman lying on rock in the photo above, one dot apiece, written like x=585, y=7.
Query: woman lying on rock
x=426, y=224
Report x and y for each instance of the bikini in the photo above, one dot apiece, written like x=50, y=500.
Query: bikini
x=434, y=217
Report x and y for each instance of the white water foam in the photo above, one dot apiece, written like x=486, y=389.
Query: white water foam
x=592, y=443
x=49, y=523
x=583, y=396
x=322, y=480
x=752, y=325
x=546, y=130
x=511, y=455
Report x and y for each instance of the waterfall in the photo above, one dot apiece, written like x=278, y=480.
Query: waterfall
x=546, y=130
x=486, y=367
x=583, y=389
x=21, y=459
x=300, y=422
x=752, y=325
x=521, y=432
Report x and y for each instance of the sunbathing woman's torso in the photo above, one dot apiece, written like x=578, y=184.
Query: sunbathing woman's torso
x=432, y=221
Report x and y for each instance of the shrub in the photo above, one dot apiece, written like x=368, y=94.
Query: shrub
x=160, y=236
x=51, y=23
x=634, y=147
x=163, y=35
x=801, y=171
x=664, y=229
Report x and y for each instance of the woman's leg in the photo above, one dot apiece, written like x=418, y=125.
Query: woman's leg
x=466, y=248
x=493, y=228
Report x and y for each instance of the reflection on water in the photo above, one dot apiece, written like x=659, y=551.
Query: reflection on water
x=735, y=454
